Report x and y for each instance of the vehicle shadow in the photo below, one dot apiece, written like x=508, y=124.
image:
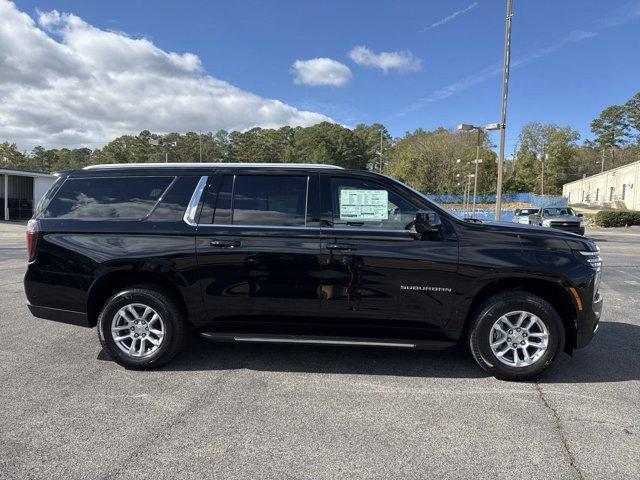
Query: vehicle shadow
x=595, y=363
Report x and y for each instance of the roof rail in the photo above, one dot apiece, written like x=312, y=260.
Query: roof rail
x=109, y=166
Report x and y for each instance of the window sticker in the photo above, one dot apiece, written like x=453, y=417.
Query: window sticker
x=364, y=204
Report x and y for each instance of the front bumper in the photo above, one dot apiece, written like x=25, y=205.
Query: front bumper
x=571, y=227
x=588, y=324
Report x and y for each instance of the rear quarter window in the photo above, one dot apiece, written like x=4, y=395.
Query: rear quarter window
x=125, y=198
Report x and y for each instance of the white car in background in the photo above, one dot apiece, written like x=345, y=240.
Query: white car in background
x=523, y=215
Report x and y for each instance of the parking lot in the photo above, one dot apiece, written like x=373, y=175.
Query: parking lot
x=274, y=411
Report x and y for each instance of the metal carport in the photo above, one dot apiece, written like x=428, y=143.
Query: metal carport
x=20, y=191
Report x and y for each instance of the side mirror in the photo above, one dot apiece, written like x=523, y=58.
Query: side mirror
x=580, y=215
x=426, y=221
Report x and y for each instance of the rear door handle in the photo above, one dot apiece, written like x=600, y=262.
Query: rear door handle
x=344, y=247
x=225, y=243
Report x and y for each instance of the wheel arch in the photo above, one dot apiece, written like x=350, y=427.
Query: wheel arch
x=110, y=283
x=556, y=293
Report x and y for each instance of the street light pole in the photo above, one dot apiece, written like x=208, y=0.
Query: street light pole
x=475, y=178
x=503, y=110
x=380, y=171
x=543, y=157
x=542, y=178
x=468, y=189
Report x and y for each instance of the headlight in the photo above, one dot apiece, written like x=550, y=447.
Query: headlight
x=546, y=223
x=593, y=259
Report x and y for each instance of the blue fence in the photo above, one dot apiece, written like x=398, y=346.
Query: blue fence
x=531, y=198
x=482, y=214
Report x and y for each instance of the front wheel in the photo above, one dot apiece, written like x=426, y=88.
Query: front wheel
x=142, y=327
x=516, y=336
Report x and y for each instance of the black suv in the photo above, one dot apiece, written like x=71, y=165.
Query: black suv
x=291, y=253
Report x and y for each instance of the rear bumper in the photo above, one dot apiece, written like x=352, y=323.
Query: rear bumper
x=589, y=323
x=59, y=315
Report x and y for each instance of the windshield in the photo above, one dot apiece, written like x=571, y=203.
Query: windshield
x=555, y=212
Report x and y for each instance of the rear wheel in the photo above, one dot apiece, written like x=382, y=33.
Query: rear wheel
x=142, y=327
x=516, y=336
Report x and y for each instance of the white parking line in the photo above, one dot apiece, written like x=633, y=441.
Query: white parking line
x=630, y=274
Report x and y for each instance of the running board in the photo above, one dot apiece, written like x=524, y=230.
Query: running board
x=309, y=340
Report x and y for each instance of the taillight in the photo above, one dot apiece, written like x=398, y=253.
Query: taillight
x=32, y=239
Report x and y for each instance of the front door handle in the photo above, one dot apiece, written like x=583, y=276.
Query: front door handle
x=343, y=247
x=225, y=243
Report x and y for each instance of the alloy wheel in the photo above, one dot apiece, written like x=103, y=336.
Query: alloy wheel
x=137, y=329
x=519, y=338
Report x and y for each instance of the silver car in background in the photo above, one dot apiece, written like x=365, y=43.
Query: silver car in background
x=524, y=215
x=562, y=218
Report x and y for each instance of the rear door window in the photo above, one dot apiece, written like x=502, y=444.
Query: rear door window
x=124, y=198
x=270, y=200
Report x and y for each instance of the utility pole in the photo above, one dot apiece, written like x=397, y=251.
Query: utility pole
x=200, y=142
x=503, y=110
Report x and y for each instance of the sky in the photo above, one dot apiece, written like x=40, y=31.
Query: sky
x=80, y=73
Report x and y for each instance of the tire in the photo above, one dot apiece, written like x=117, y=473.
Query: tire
x=132, y=311
x=510, y=306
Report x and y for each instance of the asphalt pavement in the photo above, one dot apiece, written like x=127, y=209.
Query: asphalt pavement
x=297, y=412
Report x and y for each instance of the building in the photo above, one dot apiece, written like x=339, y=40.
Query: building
x=616, y=188
x=20, y=192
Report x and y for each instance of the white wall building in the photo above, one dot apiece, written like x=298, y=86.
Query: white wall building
x=617, y=188
x=20, y=192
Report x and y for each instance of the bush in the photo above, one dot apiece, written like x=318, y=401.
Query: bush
x=617, y=218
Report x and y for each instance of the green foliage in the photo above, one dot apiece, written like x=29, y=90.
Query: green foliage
x=537, y=141
x=632, y=113
x=427, y=160
x=611, y=128
x=374, y=137
x=611, y=218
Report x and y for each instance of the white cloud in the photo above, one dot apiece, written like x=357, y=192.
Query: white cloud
x=450, y=17
x=320, y=71
x=64, y=82
x=403, y=61
x=625, y=13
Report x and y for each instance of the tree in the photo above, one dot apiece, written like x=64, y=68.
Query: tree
x=554, y=145
x=632, y=113
x=427, y=160
x=372, y=136
x=611, y=129
x=329, y=143
x=11, y=157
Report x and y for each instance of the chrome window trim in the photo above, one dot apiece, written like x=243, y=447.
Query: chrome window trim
x=192, y=209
